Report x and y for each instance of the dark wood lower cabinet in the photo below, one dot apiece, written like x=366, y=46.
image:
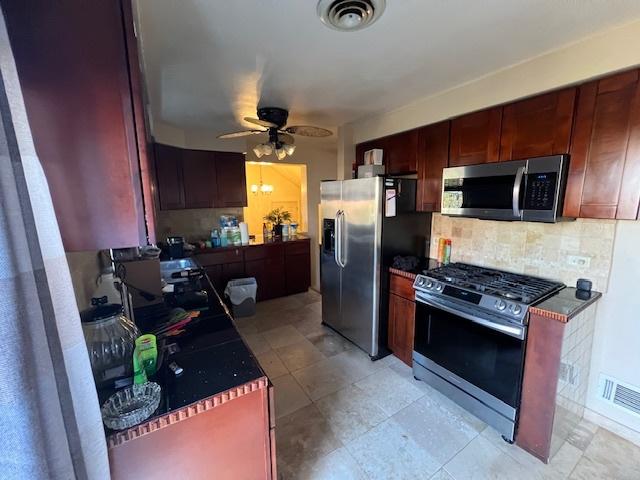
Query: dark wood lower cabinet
x=402, y=312
x=228, y=435
x=297, y=266
x=401, y=327
x=279, y=269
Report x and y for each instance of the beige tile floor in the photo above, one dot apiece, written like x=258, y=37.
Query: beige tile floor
x=341, y=416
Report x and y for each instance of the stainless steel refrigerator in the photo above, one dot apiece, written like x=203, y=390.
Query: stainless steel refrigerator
x=365, y=223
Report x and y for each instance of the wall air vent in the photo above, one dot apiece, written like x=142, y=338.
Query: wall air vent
x=620, y=394
x=349, y=15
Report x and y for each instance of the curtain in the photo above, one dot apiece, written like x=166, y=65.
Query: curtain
x=50, y=424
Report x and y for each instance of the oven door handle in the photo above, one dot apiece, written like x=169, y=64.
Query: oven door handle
x=511, y=330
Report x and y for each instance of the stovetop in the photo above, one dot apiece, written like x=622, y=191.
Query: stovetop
x=501, y=293
x=513, y=286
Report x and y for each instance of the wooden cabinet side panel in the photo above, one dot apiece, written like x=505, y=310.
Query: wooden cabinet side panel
x=72, y=66
x=230, y=441
x=541, y=369
x=629, y=201
x=475, y=137
x=537, y=126
x=143, y=137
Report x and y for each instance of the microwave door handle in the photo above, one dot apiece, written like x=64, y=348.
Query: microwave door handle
x=515, y=199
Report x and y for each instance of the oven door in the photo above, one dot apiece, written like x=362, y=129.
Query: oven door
x=491, y=191
x=485, y=362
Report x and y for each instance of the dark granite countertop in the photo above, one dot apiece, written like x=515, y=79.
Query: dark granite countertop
x=213, y=356
x=566, y=303
x=426, y=263
x=258, y=241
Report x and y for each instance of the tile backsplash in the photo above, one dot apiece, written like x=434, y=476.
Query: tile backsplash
x=539, y=249
x=193, y=224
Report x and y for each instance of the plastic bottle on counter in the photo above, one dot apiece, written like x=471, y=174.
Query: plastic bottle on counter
x=447, y=251
x=442, y=242
x=224, y=238
x=236, y=237
x=215, y=238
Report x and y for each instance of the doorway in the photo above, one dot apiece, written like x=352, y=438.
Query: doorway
x=275, y=185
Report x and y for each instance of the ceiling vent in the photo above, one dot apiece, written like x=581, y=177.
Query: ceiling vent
x=349, y=15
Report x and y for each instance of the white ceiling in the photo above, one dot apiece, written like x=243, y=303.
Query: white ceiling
x=208, y=63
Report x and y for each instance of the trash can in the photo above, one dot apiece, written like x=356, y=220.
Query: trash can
x=242, y=294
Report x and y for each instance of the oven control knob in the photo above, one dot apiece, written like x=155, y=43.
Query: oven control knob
x=439, y=287
x=516, y=310
x=501, y=304
x=421, y=281
x=429, y=284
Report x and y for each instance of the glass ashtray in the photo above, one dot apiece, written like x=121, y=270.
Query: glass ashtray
x=131, y=405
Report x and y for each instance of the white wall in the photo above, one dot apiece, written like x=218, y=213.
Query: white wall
x=615, y=49
x=617, y=339
x=616, y=345
x=320, y=157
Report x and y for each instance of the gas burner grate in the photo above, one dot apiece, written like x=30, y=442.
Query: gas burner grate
x=513, y=286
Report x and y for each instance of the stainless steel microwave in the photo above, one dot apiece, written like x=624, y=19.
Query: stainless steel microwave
x=529, y=190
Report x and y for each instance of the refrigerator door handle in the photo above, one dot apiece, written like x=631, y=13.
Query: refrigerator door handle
x=342, y=255
x=336, y=239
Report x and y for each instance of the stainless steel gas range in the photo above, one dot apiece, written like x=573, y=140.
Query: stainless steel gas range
x=470, y=337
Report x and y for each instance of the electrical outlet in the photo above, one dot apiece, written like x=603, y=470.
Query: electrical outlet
x=579, y=261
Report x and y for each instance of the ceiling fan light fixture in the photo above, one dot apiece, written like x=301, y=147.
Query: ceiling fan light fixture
x=257, y=150
x=289, y=149
x=280, y=153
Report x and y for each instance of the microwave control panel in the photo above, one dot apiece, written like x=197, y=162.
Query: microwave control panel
x=540, y=191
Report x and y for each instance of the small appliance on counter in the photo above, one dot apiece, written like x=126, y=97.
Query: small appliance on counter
x=110, y=338
x=175, y=247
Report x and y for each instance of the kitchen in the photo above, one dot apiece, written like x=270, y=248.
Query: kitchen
x=375, y=350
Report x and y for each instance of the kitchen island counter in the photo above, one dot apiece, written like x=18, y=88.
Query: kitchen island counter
x=214, y=414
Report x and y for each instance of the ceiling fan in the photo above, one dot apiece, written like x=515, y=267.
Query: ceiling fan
x=281, y=141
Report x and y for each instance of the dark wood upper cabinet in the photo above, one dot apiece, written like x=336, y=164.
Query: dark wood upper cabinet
x=433, y=156
x=82, y=96
x=537, y=126
x=232, y=181
x=199, y=179
x=169, y=177
x=604, y=170
x=401, y=152
x=475, y=138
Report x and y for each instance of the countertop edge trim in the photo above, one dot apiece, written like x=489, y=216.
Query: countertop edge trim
x=185, y=412
x=402, y=273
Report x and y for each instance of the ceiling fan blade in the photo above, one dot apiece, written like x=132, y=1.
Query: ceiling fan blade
x=285, y=137
x=243, y=133
x=309, y=131
x=262, y=123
